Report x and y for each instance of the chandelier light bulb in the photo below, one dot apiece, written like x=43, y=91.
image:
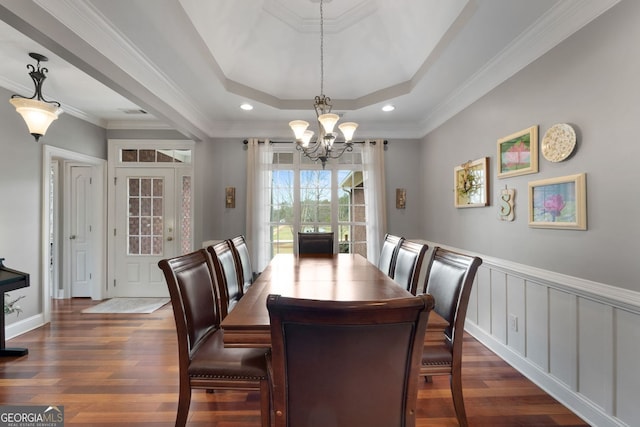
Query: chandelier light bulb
x=298, y=127
x=348, y=129
x=328, y=121
x=306, y=138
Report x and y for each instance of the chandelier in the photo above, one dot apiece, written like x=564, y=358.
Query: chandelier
x=36, y=111
x=322, y=148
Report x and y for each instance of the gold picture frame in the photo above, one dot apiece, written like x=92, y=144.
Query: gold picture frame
x=471, y=184
x=401, y=198
x=230, y=197
x=558, y=202
x=518, y=153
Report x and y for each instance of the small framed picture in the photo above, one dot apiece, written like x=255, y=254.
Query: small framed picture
x=471, y=184
x=558, y=203
x=518, y=153
x=230, y=197
x=401, y=198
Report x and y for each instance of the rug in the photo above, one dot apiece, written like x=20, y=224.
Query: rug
x=128, y=305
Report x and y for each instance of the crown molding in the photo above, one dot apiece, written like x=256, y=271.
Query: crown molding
x=556, y=25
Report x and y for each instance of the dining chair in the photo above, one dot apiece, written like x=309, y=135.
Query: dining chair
x=408, y=264
x=204, y=362
x=243, y=262
x=344, y=364
x=449, y=280
x=388, y=253
x=315, y=243
x=224, y=265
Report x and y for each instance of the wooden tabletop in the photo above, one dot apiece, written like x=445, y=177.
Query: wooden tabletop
x=342, y=277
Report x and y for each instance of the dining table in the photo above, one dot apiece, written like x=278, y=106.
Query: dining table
x=337, y=277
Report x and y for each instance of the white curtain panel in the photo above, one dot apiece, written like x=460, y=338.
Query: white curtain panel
x=259, y=159
x=374, y=193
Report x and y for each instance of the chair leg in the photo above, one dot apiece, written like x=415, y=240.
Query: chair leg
x=458, y=401
x=184, y=401
x=265, y=403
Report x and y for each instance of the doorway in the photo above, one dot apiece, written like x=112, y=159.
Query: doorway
x=57, y=206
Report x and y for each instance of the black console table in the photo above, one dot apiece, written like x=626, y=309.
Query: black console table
x=10, y=280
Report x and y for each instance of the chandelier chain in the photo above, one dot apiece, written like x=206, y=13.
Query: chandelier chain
x=321, y=50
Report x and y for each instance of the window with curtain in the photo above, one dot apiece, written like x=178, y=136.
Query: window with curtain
x=288, y=193
x=304, y=197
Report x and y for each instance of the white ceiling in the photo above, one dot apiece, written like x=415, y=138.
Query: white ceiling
x=191, y=63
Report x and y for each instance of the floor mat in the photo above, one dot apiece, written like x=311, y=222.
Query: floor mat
x=128, y=305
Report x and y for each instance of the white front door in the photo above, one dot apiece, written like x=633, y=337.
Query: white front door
x=145, y=230
x=81, y=230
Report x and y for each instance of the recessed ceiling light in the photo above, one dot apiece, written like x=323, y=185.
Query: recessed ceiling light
x=388, y=107
x=246, y=107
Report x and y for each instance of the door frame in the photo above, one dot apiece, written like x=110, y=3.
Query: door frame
x=114, y=162
x=49, y=155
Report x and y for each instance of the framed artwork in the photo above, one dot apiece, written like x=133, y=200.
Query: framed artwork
x=518, y=153
x=401, y=198
x=230, y=197
x=558, y=202
x=471, y=183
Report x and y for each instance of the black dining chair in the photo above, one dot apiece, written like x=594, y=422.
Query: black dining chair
x=246, y=276
x=224, y=265
x=203, y=360
x=449, y=279
x=315, y=243
x=389, y=253
x=351, y=364
x=408, y=264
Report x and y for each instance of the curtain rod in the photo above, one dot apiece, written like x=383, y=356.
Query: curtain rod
x=246, y=141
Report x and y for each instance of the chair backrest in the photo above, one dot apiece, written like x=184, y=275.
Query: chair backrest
x=337, y=363
x=243, y=261
x=408, y=264
x=388, y=253
x=315, y=243
x=224, y=266
x=193, y=293
x=449, y=280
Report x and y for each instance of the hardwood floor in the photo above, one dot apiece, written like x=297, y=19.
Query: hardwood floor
x=121, y=369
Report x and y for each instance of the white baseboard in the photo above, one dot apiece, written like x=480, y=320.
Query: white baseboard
x=24, y=325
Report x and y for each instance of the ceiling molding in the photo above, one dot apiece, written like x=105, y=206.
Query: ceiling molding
x=561, y=21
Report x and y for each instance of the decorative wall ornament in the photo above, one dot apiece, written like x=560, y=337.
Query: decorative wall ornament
x=401, y=198
x=518, y=153
x=471, y=183
x=230, y=197
x=558, y=142
x=558, y=202
x=506, y=204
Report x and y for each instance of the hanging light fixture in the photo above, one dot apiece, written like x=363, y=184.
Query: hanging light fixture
x=36, y=111
x=322, y=149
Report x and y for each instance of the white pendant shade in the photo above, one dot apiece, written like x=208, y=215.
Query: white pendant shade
x=298, y=127
x=306, y=138
x=348, y=129
x=328, y=121
x=38, y=115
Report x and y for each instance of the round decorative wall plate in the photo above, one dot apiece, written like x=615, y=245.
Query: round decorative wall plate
x=558, y=142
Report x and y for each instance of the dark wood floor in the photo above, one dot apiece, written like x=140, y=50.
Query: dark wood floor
x=121, y=369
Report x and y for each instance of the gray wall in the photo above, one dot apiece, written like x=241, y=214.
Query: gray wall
x=222, y=163
x=21, y=190
x=592, y=81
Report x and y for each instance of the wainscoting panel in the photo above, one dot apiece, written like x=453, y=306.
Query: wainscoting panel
x=563, y=337
x=627, y=327
x=578, y=340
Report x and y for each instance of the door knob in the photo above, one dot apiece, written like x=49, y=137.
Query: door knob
x=169, y=238
x=72, y=237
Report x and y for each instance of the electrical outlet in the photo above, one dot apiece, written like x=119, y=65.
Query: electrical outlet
x=513, y=322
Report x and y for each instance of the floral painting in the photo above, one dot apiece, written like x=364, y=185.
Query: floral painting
x=518, y=153
x=558, y=203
